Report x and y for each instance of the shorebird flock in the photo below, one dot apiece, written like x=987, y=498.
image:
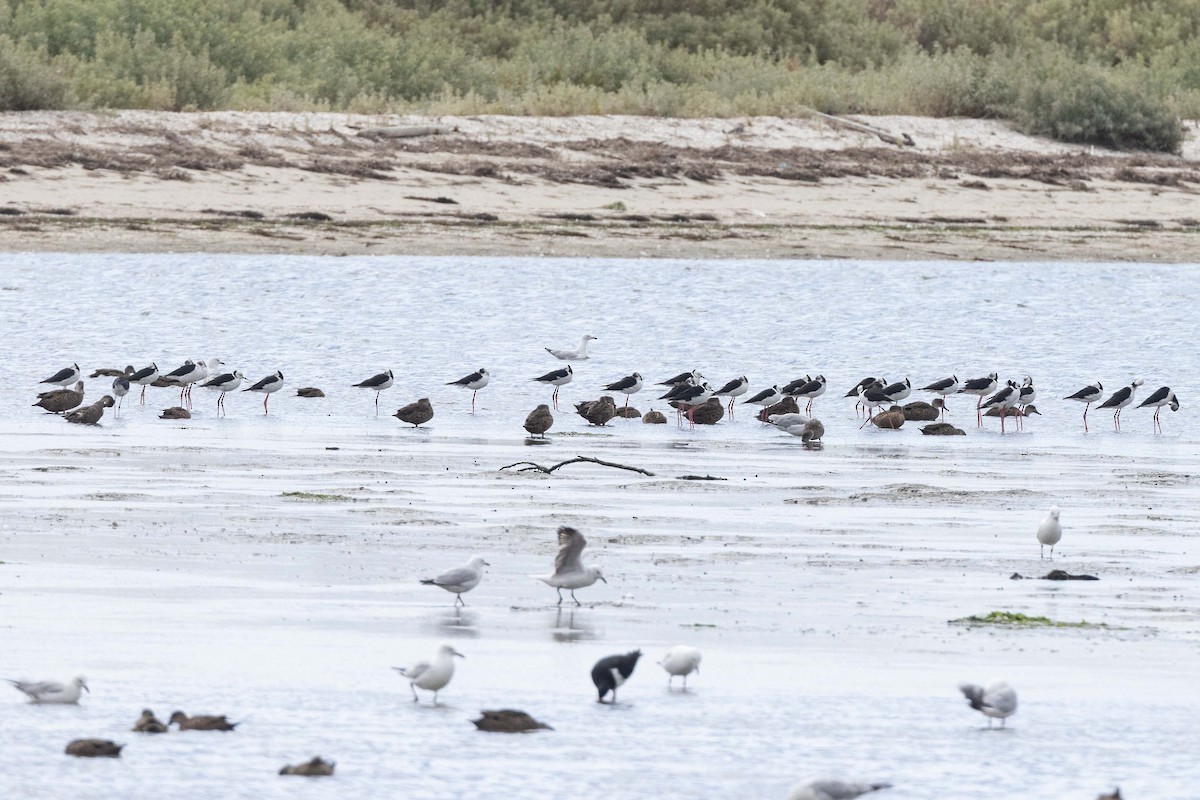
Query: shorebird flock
x=690, y=393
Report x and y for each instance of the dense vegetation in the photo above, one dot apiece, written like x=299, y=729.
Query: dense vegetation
x=1113, y=72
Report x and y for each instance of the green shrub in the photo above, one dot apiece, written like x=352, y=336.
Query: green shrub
x=26, y=82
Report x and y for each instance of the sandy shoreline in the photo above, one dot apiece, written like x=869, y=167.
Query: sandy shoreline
x=591, y=186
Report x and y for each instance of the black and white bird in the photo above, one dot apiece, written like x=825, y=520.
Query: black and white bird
x=1120, y=399
x=810, y=391
x=1026, y=394
x=578, y=354
x=998, y=701
x=630, y=384
x=612, y=671
x=225, y=382
x=65, y=376
x=691, y=397
x=1003, y=400
x=1087, y=395
x=144, y=377
x=268, y=385
x=694, y=377
x=557, y=378
x=733, y=390
x=898, y=391
x=377, y=383
x=766, y=398
x=791, y=387
x=981, y=388
x=871, y=399
x=120, y=388
x=189, y=374
x=1162, y=396
x=944, y=387
x=475, y=381
x=868, y=383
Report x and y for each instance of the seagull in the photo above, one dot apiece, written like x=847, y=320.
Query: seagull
x=630, y=384
x=569, y=571
x=998, y=701
x=981, y=388
x=683, y=377
x=475, y=381
x=824, y=789
x=1049, y=532
x=557, y=378
x=539, y=421
x=898, y=391
x=144, y=377
x=1119, y=399
x=733, y=390
x=431, y=676
x=64, y=376
x=52, y=692
x=415, y=414
x=766, y=398
x=269, y=384
x=201, y=722
x=225, y=382
x=461, y=579
x=944, y=387
x=810, y=391
x=612, y=671
x=681, y=660
x=377, y=383
x=120, y=388
x=1161, y=397
x=1003, y=400
x=579, y=354
x=1087, y=395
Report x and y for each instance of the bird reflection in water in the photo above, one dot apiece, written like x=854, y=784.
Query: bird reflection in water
x=568, y=628
x=459, y=623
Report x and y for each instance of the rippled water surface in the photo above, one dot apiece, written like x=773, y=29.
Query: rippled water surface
x=174, y=564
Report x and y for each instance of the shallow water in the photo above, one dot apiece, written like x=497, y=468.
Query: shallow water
x=165, y=562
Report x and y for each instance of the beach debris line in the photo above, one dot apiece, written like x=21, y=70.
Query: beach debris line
x=1012, y=619
x=569, y=571
x=529, y=466
x=900, y=139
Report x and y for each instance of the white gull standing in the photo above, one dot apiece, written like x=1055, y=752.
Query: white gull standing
x=432, y=676
x=53, y=692
x=578, y=354
x=569, y=571
x=681, y=660
x=1049, y=532
x=460, y=579
x=998, y=701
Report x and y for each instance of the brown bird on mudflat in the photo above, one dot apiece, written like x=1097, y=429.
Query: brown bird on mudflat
x=787, y=405
x=508, y=720
x=598, y=412
x=654, y=418
x=628, y=412
x=175, y=412
x=1013, y=411
x=94, y=748
x=316, y=768
x=539, y=420
x=59, y=400
x=90, y=415
x=891, y=419
x=202, y=723
x=416, y=414
x=309, y=391
x=109, y=372
x=920, y=411
x=942, y=429
x=148, y=723
x=709, y=412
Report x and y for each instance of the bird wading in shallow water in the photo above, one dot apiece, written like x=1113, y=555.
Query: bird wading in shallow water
x=569, y=571
x=612, y=671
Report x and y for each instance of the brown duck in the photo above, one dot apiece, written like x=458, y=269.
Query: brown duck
x=508, y=720
x=1013, y=411
x=654, y=418
x=108, y=372
x=309, y=391
x=942, y=429
x=920, y=411
x=202, y=723
x=175, y=412
x=787, y=405
x=539, y=421
x=90, y=415
x=60, y=400
x=416, y=414
x=709, y=413
x=148, y=723
x=891, y=419
x=94, y=748
x=316, y=768
x=598, y=412
x=628, y=412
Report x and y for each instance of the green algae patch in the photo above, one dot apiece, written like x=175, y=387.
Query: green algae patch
x=315, y=497
x=1011, y=619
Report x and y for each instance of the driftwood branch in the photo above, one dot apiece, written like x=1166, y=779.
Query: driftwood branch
x=529, y=466
x=903, y=139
